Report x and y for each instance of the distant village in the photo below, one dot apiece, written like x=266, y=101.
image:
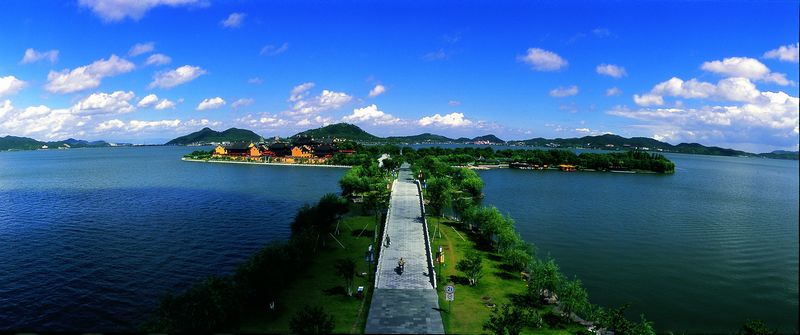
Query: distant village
x=302, y=149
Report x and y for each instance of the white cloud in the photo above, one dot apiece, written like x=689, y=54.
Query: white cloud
x=103, y=103
x=255, y=81
x=118, y=10
x=242, y=103
x=370, y=114
x=611, y=70
x=234, y=20
x=685, y=89
x=137, y=125
x=149, y=100
x=110, y=125
x=5, y=108
x=745, y=67
x=448, y=120
x=141, y=48
x=262, y=121
x=377, y=90
x=271, y=50
x=201, y=123
x=158, y=59
x=33, y=56
x=172, y=78
x=41, y=122
x=211, y=103
x=543, y=60
x=771, y=119
x=614, y=91
x=87, y=76
x=435, y=55
x=648, y=99
x=327, y=100
x=10, y=85
x=785, y=53
x=562, y=92
x=165, y=104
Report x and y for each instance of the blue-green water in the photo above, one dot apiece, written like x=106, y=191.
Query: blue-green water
x=698, y=251
x=90, y=239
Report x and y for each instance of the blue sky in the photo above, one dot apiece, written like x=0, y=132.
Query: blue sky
x=717, y=73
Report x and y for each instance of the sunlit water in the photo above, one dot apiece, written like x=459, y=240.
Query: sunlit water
x=90, y=239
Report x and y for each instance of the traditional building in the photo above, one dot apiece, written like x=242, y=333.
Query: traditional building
x=302, y=152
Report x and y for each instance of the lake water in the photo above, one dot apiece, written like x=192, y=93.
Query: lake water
x=92, y=238
x=698, y=251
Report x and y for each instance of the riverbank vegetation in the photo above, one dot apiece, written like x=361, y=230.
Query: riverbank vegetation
x=502, y=284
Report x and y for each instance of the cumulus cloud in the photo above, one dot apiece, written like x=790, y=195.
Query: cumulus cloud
x=10, y=85
x=211, y=103
x=262, y=121
x=745, y=67
x=372, y=115
x=141, y=48
x=543, y=60
x=317, y=120
x=448, y=120
x=235, y=20
x=242, y=103
x=611, y=70
x=612, y=92
x=137, y=125
x=728, y=89
x=87, y=76
x=785, y=53
x=158, y=59
x=103, y=103
x=562, y=92
x=118, y=10
x=272, y=50
x=149, y=100
x=377, y=90
x=327, y=100
x=33, y=56
x=40, y=122
x=172, y=78
x=770, y=119
x=165, y=104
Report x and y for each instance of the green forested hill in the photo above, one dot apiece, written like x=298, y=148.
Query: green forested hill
x=207, y=135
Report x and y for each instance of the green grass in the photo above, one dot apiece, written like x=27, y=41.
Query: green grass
x=469, y=311
x=321, y=286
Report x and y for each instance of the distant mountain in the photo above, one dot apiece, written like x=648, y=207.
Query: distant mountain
x=782, y=154
x=207, y=135
x=421, y=138
x=489, y=138
x=25, y=143
x=339, y=130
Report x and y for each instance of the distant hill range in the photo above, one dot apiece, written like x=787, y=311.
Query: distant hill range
x=26, y=143
x=207, y=136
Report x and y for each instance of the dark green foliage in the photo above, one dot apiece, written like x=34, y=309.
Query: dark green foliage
x=573, y=297
x=507, y=320
x=320, y=220
x=544, y=276
x=312, y=320
x=206, y=135
x=346, y=268
x=262, y=277
x=200, y=154
x=339, y=130
x=472, y=266
x=614, y=320
x=756, y=327
x=210, y=306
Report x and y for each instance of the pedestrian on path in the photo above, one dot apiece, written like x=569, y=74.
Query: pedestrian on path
x=388, y=240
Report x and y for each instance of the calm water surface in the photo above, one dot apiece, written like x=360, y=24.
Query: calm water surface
x=698, y=251
x=90, y=239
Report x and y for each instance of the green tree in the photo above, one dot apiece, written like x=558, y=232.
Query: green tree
x=440, y=193
x=506, y=320
x=346, y=268
x=473, y=186
x=472, y=266
x=756, y=327
x=545, y=276
x=573, y=297
x=312, y=320
x=210, y=306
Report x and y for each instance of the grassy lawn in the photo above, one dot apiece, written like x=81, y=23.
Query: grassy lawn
x=469, y=310
x=321, y=286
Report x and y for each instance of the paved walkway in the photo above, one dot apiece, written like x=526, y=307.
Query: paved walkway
x=404, y=303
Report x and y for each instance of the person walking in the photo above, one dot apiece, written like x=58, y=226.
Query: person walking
x=388, y=240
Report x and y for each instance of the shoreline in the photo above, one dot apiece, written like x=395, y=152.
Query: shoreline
x=261, y=163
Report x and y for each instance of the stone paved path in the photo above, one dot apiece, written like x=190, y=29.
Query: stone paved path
x=404, y=303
